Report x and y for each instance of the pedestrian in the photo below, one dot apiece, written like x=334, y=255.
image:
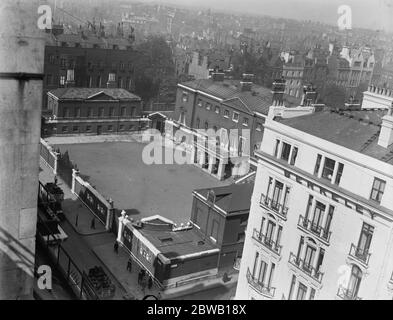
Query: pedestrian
x=150, y=283
x=55, y=180
x=129, y=265
x=116, y=247
x=93, y=223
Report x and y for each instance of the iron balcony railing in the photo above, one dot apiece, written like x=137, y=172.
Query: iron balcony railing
x=260, y=287
x=275, y=206
x=322, y=233
x=347, y=294
x=305, y=267
x=268, y=243
x=360, y=254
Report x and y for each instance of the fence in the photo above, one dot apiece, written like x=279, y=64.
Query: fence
x=49, y=155
x=103, y=209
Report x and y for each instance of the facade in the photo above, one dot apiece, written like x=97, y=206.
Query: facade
x=93, y=111
x=173, y=256
x=90, y=66
x=320, y=225
x=221, y=105
x=221, y=214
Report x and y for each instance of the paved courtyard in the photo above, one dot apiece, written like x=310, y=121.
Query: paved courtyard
x=116, y=170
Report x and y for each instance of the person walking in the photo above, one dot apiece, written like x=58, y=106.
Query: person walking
x=116, y=247
x=129, y=265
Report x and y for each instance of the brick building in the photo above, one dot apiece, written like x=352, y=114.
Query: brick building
x=93, y=111
x=221, y=214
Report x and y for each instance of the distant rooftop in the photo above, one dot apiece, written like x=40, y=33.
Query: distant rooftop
x=259, y=99
x=233, y=198
x=357, y=130
x=73, y=93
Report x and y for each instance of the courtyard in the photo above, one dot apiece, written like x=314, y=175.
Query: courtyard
x=117, y=171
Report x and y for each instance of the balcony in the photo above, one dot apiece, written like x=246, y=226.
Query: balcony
x=347, y=294
x=261, y=288
x=321, y=233
x=268, y=243
x=305, y=267
x=361, y=255
x=276, y=207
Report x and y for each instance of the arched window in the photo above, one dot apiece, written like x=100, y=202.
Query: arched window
x=354, y=281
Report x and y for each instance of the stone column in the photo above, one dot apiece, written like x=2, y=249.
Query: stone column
x=211, y=163
x=75, y=173
x=109, y=217
x=21, y=66
x=221, y=170
x=55, y=166
x=122, y=221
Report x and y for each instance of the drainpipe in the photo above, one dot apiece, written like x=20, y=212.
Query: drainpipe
x=21, y=72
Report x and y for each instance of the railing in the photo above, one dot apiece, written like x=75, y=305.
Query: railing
x=362, y=255
x=261, y=288
x=274, y=205
x=270, y=244
x=305, y=267
x=347, y=294
x=315, y=229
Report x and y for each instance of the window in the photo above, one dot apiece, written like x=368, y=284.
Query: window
x=292, y=287
x=110, y=127
x=52, y=59
x=64, y=129
x=111, y=111
x=214, y=230
x=277, y=194
x=354, y=282
x=133, y=111
x=63, y=63
x=259, y=126
x=377, y=190
x=312, y=294
x=62, y=80
x=235, y=117
x=101, y=112
x=245, y=122
x=75, y=128
x=317, y=219
x=120, y=82
x=286, y=150
x=77, y=112
x=241, y=236
x=293, y=156
x=185, y=96
x=364, y=241
x=317, y=164
x=309, y=258
x=262, y=272
x=301, y=292
x=276, y=147
x=123, y=111
x=217, y=109
x=88, y=128
x=121, y=127
x=89, y=112
x=208, y=106
x=200, y=103
x=339, y=174
x=226, y=113
x=112, y=77
x=328, y=169
x=65, y=112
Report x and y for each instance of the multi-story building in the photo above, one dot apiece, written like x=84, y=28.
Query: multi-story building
x=90, y=62
x=221, y=215
x=321, y=218
x=223, y=105
x=93, y=111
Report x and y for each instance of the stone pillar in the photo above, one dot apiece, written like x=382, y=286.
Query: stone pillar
x=109, y=217
x=55, y=166
x=75, y=173
x=221, y=170
x=122, y=221
x=21, y=65
x=211, y=163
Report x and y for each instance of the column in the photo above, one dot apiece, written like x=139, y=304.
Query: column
x=201, y=157
x=122, y=220
x=321, y=166
x=221, y=170
x=75, y=173
x=109, y=217
x=193, y=154
x=335, y=172
x=211, y=163
x=56, y=155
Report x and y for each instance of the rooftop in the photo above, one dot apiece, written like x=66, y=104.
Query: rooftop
x=88, y=93
x=357, y=130
x=233, y=198
x=259, y=99
x=173, y=244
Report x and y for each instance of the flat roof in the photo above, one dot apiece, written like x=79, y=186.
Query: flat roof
x=357, y=130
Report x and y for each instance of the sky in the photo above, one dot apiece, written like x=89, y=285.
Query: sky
x=371, y=14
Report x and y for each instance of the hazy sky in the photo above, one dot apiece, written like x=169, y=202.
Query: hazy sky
x=373, y=14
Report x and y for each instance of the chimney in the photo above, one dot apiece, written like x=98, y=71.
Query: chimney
x=111, y=81
x=217, y=76
x=246, y=83
x=309, y=96
x=278, y=92
x=386, y=135
x=70, y=81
